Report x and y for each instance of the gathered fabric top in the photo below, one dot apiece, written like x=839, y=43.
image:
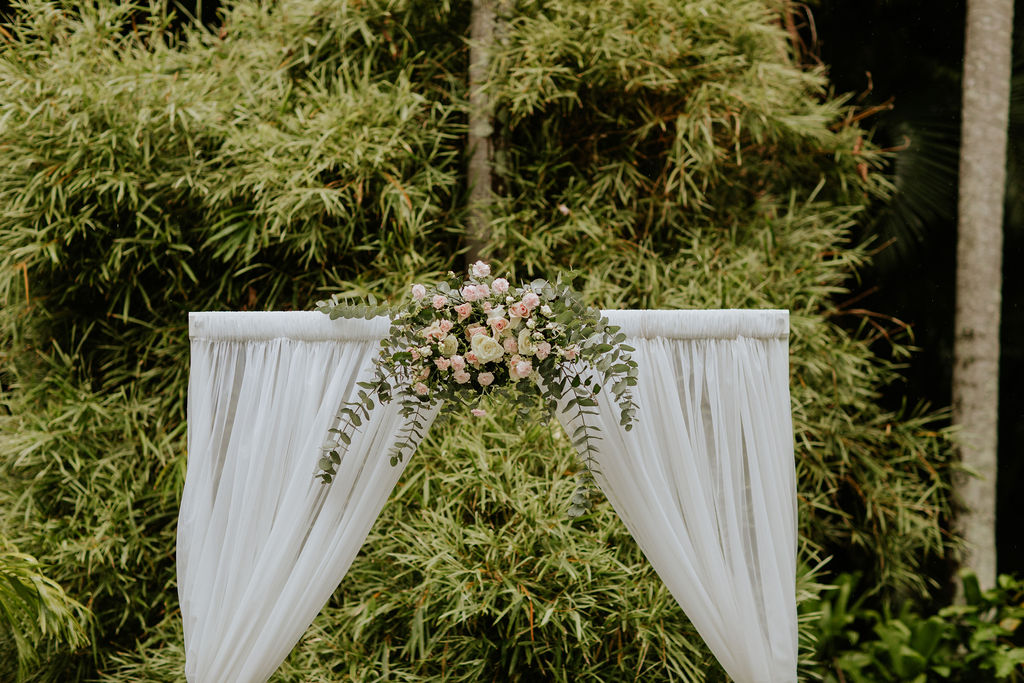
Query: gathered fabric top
x=638, y=324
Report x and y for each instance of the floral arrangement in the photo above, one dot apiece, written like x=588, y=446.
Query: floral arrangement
x=460, y=340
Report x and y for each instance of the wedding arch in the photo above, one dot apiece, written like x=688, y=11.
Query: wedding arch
x=705, y=482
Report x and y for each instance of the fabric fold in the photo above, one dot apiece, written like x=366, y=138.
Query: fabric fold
x=705, y=482
x=262, y=544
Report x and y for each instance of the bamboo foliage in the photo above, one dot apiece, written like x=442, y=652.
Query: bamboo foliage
x=34, y=610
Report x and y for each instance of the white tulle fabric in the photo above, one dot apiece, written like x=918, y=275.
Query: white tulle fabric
x=262, y=545
x=704, y=481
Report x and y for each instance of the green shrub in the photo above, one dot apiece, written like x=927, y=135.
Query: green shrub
x=35, y=613
x=670, y=152
x=980, y=640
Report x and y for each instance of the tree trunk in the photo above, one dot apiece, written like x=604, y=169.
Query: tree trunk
x=481, y=125
x=986, y=98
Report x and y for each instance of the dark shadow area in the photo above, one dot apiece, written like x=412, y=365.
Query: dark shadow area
x=906, y=60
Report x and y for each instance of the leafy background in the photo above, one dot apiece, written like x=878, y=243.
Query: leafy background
x=150, y=166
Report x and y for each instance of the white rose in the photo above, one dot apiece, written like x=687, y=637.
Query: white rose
x=526, y=345
x=486, y=348
x=449, y=346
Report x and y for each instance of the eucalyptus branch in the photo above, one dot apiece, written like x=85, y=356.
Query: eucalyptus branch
x=349, y=419
x=611, y=357
x=338, y=307
x=583, y=497
x=346, y=422
x=412, y=432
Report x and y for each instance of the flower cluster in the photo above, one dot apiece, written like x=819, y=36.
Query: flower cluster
x=483, y=335
x=460, y=340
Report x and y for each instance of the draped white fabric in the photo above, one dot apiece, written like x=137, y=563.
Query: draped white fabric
x=704, y=481
x=262, y=545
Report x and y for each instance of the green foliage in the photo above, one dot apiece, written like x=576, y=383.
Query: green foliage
x=980, y=640
x=670, y=153
x=143, y=179
x=91, y=483
x=34, y=611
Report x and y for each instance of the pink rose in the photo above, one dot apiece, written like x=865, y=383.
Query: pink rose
x=570, y=353
x=481, y=269
x=485, y=379
x=543, y=350
x=472, y=359
x=469, y=293
x=418, y=292
x=425, y=373
x=464, y=310
x=446, y=326
x=531, y=300
x=442, y=363
x=461, y=376
x=458, y=363
x=499, y=324
x=500, y=285
x=415, y=352
x=510, y=345
x=521, y=369
x=420, y=388
x=482, y=291
x=440, y=301
x=434, y=331
x=519, y=310
x=479, y=412
x=487, y=307
x=474, y=330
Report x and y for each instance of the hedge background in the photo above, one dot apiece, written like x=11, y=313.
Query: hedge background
x=673, y=154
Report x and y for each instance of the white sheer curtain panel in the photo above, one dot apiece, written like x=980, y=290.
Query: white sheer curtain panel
x=705, y=481
x=262, y=544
